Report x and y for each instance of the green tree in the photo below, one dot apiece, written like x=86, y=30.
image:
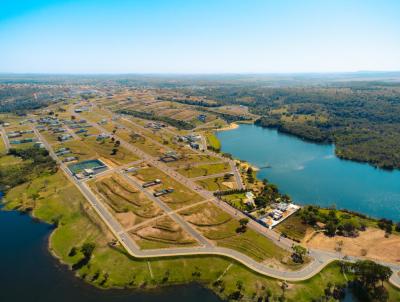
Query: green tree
x=298, y=253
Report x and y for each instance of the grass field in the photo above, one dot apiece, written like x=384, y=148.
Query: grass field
x=203, y=170
x=90, y=148
x=2, y=146
x=293, y=227
x=217, y=184
x=213, y=141
x=188, y=158
x=7, y=160
x=182, y=196
x=55, y=200
x=220, y=227
x=236, y=200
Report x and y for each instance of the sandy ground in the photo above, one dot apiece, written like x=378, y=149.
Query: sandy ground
x=127, y=219
x=371, y=244
x=230, y=127
x=230, y=185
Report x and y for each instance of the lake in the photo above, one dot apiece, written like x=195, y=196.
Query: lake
x=30, y=273
x=311, y=173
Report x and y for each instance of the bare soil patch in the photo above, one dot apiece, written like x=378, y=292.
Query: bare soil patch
x=370, y=244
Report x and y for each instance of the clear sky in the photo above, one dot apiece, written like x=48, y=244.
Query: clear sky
x=199, y=36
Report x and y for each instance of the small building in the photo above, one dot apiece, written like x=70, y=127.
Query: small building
x=169, y=156
x=282, y=206
x=64, y=137
x=69, y=159
x=194, y=145
x=163, y=192
x=59, y=130
x=151, y=183
x=88, y=172
x=102, y=136
x=14, y=134
x=39, y=145
x=249, y=198
x=276, y=214
x=202, y=118
x=131, y=169
x=62, y=150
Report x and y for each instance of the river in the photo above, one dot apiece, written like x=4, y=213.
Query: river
x=311, y=173
x=30, y=273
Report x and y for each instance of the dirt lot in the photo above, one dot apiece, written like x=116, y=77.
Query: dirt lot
x=370, y=243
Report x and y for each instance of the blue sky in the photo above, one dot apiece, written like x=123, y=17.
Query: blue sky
x=199, y=36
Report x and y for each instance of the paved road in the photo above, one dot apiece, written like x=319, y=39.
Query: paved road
x=320, y=258
x=134, y=227
x=72, y=132
x=178, y=219
x=235, y=171
x=5, y=138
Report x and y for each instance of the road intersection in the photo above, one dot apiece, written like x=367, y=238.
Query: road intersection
x=319, y=258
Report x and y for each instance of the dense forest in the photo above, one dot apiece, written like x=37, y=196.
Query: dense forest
x=361, y=118
x=358, y=112
x=36, y=162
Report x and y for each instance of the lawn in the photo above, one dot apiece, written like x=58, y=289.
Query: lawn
x=213, y=141
x=236, y=200
x=8, y=160
x=217, y=184
x=2, y=145
x=293, y=227
x=203, y=170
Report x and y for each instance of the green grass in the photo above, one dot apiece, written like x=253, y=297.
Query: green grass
x=89, y=148
x=236, y=200
x=293, y=227
x=182, y=196
x=192, y=158
x=213, y=141
x=214, y=183
x=2, y=146
x=8, y=160
x=203, y=170
x=219, y=226
x=58, y=200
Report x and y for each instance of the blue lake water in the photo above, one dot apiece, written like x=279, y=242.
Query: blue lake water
x=29, y=273
x=312, y=174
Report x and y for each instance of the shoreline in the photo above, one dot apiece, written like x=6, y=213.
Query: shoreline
x=231, y=126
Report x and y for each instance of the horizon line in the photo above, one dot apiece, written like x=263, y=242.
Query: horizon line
x=201, y=73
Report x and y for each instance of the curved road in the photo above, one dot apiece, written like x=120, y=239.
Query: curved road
x=321, y=258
